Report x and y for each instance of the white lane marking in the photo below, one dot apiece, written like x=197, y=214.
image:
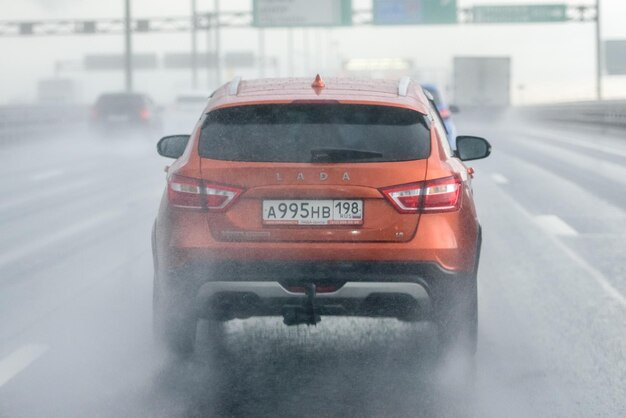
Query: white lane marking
x=601, y=167
x=499, y=178
x=554, y=225
x=39, y=194
x=46, y=175
x=20, y=359
x=593, y=145
x=596, y=275
x=147, y=195
x=79, y=227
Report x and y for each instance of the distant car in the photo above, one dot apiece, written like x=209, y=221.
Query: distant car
x=301, y=199
x=125, y=111
x=445, y=111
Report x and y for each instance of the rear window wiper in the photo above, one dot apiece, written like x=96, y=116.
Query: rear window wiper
x=334, y=154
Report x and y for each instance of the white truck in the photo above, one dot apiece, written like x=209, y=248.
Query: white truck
x=482, y=81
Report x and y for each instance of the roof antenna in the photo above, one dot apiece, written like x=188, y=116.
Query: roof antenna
x=318, y=83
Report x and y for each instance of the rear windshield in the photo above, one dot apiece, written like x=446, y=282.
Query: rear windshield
x=315, y=133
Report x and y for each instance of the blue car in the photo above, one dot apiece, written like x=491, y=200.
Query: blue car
x=445, y=111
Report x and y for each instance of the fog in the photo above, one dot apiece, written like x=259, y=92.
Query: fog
x=550, y=62
x=82, y=184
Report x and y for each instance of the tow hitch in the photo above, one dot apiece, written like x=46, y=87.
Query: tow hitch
x=304, y=314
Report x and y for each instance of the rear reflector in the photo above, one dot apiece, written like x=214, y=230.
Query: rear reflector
x=194, y=193
x=326, y=288
x=439, y=195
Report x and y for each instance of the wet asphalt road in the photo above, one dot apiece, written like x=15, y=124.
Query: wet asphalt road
x=75, y=297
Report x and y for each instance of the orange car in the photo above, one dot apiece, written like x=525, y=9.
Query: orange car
x=304, y=198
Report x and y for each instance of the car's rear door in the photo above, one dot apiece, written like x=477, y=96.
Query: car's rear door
x=313, y=172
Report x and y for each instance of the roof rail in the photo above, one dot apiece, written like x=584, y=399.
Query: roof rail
x=233, y=86
x=403, y=86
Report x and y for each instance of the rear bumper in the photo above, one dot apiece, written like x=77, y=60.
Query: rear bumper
x=227, y=300
x=228, y=290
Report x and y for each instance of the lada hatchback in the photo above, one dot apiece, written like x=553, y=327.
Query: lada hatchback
x=303, y=198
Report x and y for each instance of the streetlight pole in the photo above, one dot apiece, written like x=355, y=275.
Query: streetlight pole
x=218, y=58
x=305, y=47
x=598, y=52
x=261, y=37
x=128, y=48
x=290, y=69
x=210, y=53
x=194, y=47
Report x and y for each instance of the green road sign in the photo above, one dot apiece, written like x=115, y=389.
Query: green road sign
x=534, y=13
x=414, y=12
x=301, y=13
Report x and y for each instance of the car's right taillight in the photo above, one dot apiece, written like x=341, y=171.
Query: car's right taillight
x=144, y=114
x=438, y=195
x=192, y=193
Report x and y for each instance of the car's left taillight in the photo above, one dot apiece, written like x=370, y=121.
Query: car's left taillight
x=192, y=193
x=437, y=195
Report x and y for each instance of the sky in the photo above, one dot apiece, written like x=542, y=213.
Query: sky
x=550, y=62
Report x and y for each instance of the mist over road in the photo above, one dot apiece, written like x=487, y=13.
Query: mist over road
x=76, y=290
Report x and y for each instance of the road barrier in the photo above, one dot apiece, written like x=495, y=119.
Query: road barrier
x=24, y=122
x=608, y=113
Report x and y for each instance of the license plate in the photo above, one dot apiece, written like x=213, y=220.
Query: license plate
x=313, y=212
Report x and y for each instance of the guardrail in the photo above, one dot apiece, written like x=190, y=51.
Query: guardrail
x=609, y=113
x=24, y=122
